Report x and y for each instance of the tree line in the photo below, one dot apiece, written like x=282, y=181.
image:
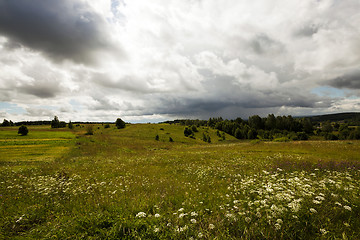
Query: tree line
x=273, y=127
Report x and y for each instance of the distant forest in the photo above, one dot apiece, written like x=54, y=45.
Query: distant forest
x=283, y=128
x=277, y=128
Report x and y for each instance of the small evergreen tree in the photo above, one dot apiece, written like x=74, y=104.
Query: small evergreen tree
x=55, y=122
x=70, y=125
x=23, y=130
x=170, y=139
x=157, y=137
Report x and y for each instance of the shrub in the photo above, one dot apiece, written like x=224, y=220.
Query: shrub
x=187, y=132
x=89, y=130
x=107, y=125
x=120, y=123
x=193, y=128
x=23, y=130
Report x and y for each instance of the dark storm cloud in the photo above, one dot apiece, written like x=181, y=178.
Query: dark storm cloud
x=41, y=89
x=349, y=80
x=61, y=29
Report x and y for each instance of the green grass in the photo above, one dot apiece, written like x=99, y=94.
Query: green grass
x=123, y=184
x=42, y=144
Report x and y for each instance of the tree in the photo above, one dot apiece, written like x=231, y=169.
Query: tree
x=120, y=123
x=187, y=132
x=170, y=139
x=326, y=127
x=23, y=130
x=270, y=122
x=157, y=138
x=5, y=123
x=55, y=123
x=193, y=128
x=307, y=125
x=70, y=125
x=252, y=134
x=256, y=122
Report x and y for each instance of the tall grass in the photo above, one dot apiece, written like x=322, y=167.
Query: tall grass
x=123, y=184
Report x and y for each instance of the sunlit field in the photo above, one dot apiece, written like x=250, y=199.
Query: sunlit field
x=124, y=184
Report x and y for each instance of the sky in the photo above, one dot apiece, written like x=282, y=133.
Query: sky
x=151, y=61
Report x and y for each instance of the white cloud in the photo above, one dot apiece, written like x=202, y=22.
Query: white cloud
x=166, y=58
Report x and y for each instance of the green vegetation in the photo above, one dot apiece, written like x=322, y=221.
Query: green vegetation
x=63, y=184
x=70, y=125
x=23, y=130
x=120, y=123
x=56, y=123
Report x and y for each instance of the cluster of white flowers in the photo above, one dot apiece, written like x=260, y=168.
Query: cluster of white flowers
x=140, y=215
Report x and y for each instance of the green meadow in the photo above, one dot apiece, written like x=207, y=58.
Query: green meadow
x=125, y=184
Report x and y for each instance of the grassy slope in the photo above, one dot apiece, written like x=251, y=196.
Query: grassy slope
x=40, y=145
x=97, y=189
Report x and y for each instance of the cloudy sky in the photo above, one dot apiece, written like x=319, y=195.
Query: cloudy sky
x=148, y=61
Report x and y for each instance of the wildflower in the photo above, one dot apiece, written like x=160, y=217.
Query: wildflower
x=347, y=208
x=313, y=210
x=279, y=221
x=20, y=218
x=156, y=229
x=157, y=215
x=258, y=214
x=339, y=204
x=323, y=231
x=200, y=235
x=277, y=226
x=211, y=226
x=295, y=205
x=181, y=209
x=193, y=220
x=316, y=202
x=141, y=215
x=320, y=198
x=193, y=214
x=247, y=219
x=183, y=228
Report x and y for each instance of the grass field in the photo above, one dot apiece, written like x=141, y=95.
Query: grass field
x=123, y=184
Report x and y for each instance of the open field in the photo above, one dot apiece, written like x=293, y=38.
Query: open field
x=123, y=184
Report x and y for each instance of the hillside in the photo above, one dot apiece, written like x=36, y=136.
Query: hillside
x=349, y=117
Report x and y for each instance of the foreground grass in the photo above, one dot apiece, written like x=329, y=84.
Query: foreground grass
x=124, y=184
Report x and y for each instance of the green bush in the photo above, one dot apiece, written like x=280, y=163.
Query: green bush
x=120, y=123
x=89, y=130
x=23, y=130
